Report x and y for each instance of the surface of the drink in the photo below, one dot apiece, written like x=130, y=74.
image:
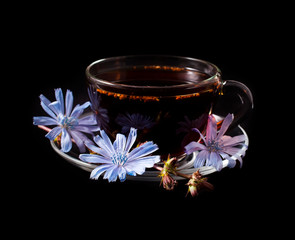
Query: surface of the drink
x=153, y=76
x=166, y=118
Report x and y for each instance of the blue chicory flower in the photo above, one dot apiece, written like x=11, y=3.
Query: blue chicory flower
x=116, y=159
x=188, y=125
x=216, y=145
x=135, y=120
x=101, y=113
x=187, y=128
x=68, y=121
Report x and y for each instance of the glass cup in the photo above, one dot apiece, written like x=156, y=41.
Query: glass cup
x=164, y=98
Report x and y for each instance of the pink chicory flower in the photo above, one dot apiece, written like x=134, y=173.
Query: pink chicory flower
x=217, y=146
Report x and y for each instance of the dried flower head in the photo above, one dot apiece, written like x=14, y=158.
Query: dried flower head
x=169, y=167
x=197, y=183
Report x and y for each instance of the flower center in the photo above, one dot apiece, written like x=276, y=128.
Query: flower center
x=68, y=122
x=213, y=146
x=119, y=158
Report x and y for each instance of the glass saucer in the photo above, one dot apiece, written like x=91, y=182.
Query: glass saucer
x=185, y=163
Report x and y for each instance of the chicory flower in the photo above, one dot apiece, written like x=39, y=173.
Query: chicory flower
x=216, y=145
x=135, y=120
x=116, y=159
x=68, y=121
x=187, y=128
x=101, y=113
x=188, y=125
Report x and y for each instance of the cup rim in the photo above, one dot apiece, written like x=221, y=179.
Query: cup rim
x=94, y=79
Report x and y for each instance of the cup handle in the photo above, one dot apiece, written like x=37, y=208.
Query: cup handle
x=235, y=98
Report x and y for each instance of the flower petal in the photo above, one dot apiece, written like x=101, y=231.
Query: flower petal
x=93, y=148
x=88, y=120
x=134, y=167
x=143, y=150
x=201, y=135
x=66, y=142
x=120, y=142
x=215, y=161
x=225, y=124
x=44, y=121
x=131, y=173
x=53, y=133
x=231, y=163
x=122, y=174
x=99, y=170
x=236, y=153
x=149, y=161
x=112, y=173
x=60, y=98
x=231, y=150
x=139, y=165
x=131, y=139
x=232, y=141
x=44, y=100
x=79, y=139
x=105, y=143
x=93, y=158
x=92, y=93
x=211, y=130
x=69, y=102
x=193, y=147
x=56, y=108
x=97, y=150
x=201, y=158
x=47, y=109
x=86, y=129
x=94, y=98
x=100, y=142
x=78, y=110
x=239, y=158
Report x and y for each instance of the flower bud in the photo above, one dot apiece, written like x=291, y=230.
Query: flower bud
x=197, y=183
x=169, y=167
x=168, y=182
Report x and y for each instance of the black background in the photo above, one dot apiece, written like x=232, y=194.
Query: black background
x=53, y=45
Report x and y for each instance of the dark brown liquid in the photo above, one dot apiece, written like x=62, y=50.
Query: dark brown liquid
x=154, y=76
x=165, y=117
